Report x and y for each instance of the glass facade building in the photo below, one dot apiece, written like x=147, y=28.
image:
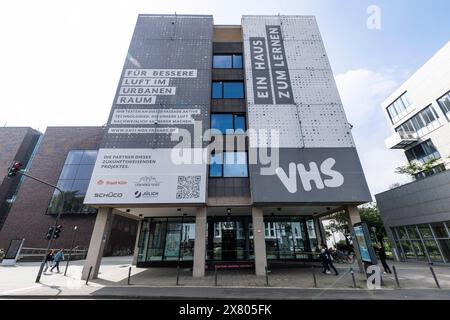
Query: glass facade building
x=167, y=241
x=427, y=242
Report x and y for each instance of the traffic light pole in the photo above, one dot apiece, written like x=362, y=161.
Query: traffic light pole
x=38, y=278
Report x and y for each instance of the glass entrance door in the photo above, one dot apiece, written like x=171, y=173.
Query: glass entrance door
x=229, y=241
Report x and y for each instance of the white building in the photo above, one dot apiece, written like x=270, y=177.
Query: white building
x=417, y=215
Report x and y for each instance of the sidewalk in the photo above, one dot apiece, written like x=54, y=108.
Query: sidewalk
x=294, y=283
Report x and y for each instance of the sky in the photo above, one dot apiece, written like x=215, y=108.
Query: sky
x=60, y=61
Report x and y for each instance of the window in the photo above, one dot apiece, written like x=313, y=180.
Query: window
x=228, y=165
x=444, y=103
x=228, y=90
x=399, y=108
x=228, y=121
x=423, y=152
x=227, y=61
x=74, y=181
x=422, y=123
x=167, y=239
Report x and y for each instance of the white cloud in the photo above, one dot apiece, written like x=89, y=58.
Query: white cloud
x=362, y=92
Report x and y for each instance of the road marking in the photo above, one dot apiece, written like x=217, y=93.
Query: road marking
x=20, y=289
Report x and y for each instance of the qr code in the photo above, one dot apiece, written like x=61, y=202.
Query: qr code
x=188, y=187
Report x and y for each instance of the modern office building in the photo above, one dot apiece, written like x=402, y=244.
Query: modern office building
x=417, y=215
x=226, y=143
x=63, y=156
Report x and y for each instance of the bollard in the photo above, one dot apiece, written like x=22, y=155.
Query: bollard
x=215, y=276
x=178, y=274
x=129, y=275
x=434, y=276
x=396, y=277
x=353, y=277
x=314, y=276
x=267, y=277
x=89, y=275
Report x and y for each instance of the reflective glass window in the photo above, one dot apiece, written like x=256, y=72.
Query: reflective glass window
x=216, y=165
x=217, y=90
x=74, y=181
x=237, y=61
x=222, y=61
x=222, y=122
x=233, y=90
x=239, y=123
x=235, y=164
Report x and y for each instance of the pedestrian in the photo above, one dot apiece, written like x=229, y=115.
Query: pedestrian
x=59, y=256
x=323, y=256
x=49, y=259
x=329, y=257
x=382, y=256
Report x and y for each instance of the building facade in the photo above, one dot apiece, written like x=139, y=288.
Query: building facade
x=63, y=156
x=225, y=143
x=417, y=215
x=16, y=144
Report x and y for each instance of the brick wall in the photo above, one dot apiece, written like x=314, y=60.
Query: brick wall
x=27, y=218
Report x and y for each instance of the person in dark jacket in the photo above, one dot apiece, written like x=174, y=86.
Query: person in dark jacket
x=49, y=259
x=59, y=256
x=330, y=261
x=323, y=257
x=382, y=256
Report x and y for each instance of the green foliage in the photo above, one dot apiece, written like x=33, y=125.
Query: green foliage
x=415, y=167
x=369, y=214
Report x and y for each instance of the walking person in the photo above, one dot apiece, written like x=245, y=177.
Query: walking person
x=329, y=256
x=382, y=256
x=49, y=259
x=323, y=256
x=59, y=256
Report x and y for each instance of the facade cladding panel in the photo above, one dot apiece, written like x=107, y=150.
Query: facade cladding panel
x=165, y=88
x=423, y=201
x=290, y=87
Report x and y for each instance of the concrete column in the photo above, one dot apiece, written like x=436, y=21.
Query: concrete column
x=200, y=243
x=136, y=244
x=99, y=236
x=259, y=241
x=321, y=236
x=354, y=217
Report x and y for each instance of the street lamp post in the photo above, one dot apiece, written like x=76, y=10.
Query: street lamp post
x=71, y=248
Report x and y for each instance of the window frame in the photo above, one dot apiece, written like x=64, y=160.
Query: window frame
x=443, y=106
x=233, y=116
x=222, y=85
x=232, y=57
x=401, y=106
x=222, y=165
x=71, y=182
x=419, y=121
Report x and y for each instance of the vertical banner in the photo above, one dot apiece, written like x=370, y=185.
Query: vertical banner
x=294, y=111
x=162, y=99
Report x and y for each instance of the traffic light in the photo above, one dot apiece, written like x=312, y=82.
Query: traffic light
x=14, y=168
x=57, y=232
x=49, y=233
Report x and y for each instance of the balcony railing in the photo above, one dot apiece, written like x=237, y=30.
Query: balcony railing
x=401, y=140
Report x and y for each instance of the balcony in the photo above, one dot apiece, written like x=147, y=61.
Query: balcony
x=401, y=140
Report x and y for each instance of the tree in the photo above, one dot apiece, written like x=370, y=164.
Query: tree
x=369, y=214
